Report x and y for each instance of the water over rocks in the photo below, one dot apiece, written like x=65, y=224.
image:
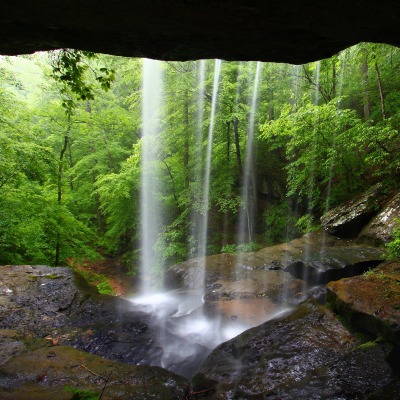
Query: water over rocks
x=306, y=354
x=51, y=319
x=315, y=258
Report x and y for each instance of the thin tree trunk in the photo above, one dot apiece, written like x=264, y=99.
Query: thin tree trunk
x=271, y=111
x=364, y=73
x=381, y=94
x=237, y=145
x=59, y=185
x=333, y=78
x=186, y=145
x=228, y=141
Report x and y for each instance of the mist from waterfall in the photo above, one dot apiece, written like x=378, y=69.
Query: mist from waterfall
x=150, y=204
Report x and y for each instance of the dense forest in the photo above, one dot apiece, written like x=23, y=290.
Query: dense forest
x=70, y=150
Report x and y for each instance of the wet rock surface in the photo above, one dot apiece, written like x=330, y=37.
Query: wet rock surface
x=43, y=374
x=316, y=258
x=57, y=303
x=373, y=209
x=307, y=354
x=371, y=302
x=380, y=229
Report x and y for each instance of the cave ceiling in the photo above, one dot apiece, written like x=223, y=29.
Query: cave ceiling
x=282, y=31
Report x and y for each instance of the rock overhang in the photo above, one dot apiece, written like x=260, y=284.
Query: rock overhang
x=291, y=31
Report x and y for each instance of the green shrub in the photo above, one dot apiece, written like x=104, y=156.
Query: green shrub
x=280, y=223
x=306, y=224
x=82, y=394
x=394, y=246
x=99, y=280
x=241, y=248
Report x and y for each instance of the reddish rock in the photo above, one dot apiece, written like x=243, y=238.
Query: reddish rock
x=371, y=302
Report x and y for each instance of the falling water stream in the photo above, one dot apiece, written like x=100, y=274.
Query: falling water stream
x=150, y=206
x=246, y=214
x=186, y=334
x=202, y=247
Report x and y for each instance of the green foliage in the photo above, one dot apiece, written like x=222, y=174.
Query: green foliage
x=99, y=280
x=105, y=288
x=241, y=248
x=69, y=68
x=306, y=224
x=82, y=394
x=314, y=148
x=394, y=246
x=280, y=222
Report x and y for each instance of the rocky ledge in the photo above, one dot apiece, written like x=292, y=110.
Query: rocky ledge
x=45, y=372
x=371, y=302
x=305, y=354
x=49, y=315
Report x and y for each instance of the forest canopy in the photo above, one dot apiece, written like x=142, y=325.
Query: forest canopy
x=70, y=155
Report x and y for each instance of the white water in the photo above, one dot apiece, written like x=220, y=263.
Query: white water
x=186, y=335
x=246, y=214
x=150, y=206
x=187, y=329
x=197, y=218
x=203, y=225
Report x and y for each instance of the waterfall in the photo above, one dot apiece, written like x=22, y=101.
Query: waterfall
x=150, y=205
x=246, y=214
x=198, y=219
x=203, y=223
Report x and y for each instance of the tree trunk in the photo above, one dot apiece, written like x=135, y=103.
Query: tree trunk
x=334, y=77
x=237, y=145
x=186, y=145
x=364, y=73
x=381, y=94
x=271, y=111
x=59, y=185
x=228, y=142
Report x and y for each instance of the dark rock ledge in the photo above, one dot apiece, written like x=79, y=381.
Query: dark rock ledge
x=47, y=314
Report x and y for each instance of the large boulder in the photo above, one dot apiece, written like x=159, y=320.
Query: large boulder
x=371, y=302
x=380, y=229
x=347, y=220
x=307, y=354
x=290, y=31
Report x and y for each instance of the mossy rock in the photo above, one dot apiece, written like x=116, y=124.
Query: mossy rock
x=44, y=373
x=370, y=302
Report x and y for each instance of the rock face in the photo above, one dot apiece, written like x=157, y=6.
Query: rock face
x=307, y=354
x=380, y=229
x=316, y=258
x=290, y=31
x=43, y=309
x=347, y=220
x=41, y=301
x=371, y=302
x=369, y=218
